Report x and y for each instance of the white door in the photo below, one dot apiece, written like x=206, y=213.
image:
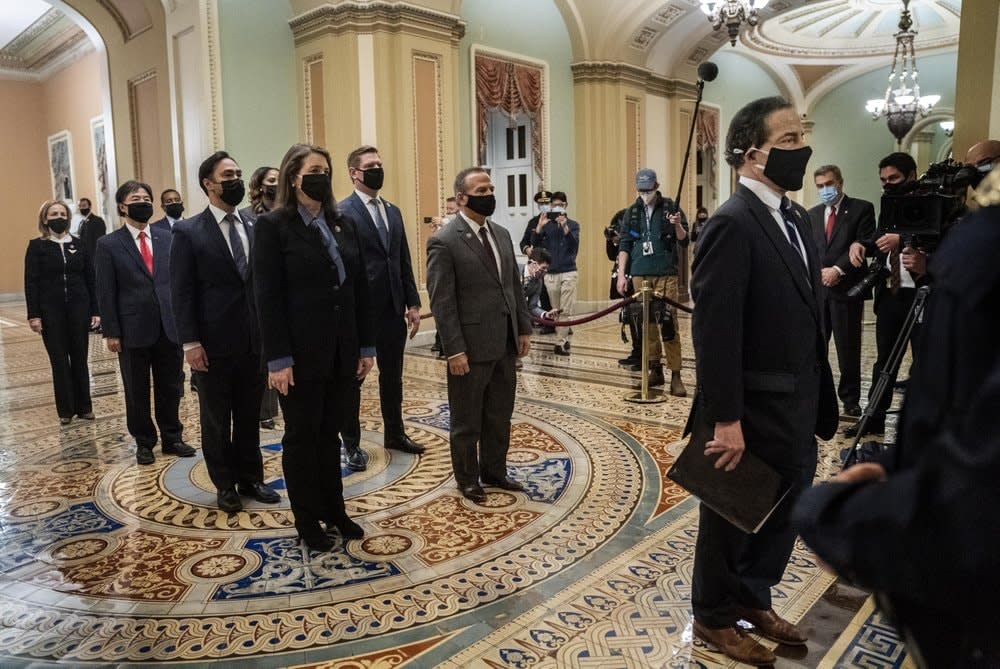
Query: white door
x=508, y=152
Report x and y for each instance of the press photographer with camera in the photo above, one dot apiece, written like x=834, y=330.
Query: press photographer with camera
x=559, y=234
x=652, y=230
x=919, y=527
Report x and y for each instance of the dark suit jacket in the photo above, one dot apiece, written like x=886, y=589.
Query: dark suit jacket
x=758, y=335
x=91, y=229
x=928, y=536
x=134, y=305
x=475, y=312
x=212, y=303
x=304, y=312
x=390, y=270
x=163, y=224
x=55, y=278
x=855, y=222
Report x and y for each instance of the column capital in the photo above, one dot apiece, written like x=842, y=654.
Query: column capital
x=633, y=75
x=376, y=16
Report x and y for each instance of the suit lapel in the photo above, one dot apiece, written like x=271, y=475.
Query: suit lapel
x=789, y=256
x=313, y=241
x=126, y=239
x=472, y=241
x=840, y=224
x=213, y=230
x=364, y=217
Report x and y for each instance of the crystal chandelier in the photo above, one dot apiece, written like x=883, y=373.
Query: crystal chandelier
x=903, y=101
x=732, y=13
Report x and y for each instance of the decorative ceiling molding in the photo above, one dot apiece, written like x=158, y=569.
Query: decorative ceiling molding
x=378, y=16
x=657, y=24
x=632, y=75
x=46, y=46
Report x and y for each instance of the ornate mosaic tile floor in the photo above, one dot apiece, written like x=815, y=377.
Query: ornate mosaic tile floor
x=869, y=641
x=104, y=563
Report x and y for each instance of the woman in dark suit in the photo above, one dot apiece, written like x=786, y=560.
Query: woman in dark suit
x=317, y=334
x=62, y=307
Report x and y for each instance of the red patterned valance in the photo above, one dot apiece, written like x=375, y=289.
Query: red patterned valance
x=513, y=88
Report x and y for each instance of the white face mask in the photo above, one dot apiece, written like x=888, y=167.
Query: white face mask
x=544, y=208
x=558, y=209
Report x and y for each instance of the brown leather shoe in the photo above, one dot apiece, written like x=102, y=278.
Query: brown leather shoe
x=735, y=645
x=769, y=624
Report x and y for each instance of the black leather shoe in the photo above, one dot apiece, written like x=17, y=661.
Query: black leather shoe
x=473, y=493
x=86, y=415
x=854, y=411
x=229, y=501
x=267, y=424
x=65, y=420
x=561, y=349
x=629, y=361
x=356, y=459
x=505, y=483
x=260, y=492
x=873, y=427
x=144, y=455
x=406, y=445
x=347, y=528
x=314, y=538
x=178, y=448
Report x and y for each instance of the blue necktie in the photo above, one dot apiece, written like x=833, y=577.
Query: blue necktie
x=331, y=247
x=236, y=244
x=383, y=230
x=789, y=218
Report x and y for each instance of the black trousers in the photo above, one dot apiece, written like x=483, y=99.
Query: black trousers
x=164, y=359
x=268, y=404
x=229, y=402
x=733, y=569
x=65, y=335
x=314, y=412
x=481, y=404
x=390, y=343
x=843, y=321
x=890, y=313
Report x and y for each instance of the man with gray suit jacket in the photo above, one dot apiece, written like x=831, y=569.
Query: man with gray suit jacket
x=395, y=303
x=480, y=311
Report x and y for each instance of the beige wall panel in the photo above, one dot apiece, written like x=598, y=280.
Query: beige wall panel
x=147, y=142
x=428, y=159
x=977, y=76
x=25, y=178
x=316, y=103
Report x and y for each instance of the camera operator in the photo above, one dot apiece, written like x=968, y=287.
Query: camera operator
x=652, y=230
x=560, y=236
x=543, y=198
x=612, y=236
x=894, y=295
x=919, y=528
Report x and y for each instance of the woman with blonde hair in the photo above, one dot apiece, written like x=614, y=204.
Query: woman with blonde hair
x=62, y=307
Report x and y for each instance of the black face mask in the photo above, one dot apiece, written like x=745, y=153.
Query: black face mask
x=787, y=167
x=373, y=177
x=139, y=211
x=233, y=191
x=317, y=186
x=84, y=212
x=58, y=225
x=703, y=218
x=174, y=209
x=269, y=192
x=484, y=205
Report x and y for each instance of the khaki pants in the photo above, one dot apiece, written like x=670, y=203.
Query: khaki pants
x=562, y=295
x=665, y=285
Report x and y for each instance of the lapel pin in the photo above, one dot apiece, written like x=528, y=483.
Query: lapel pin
x=336, y=228
x=468, y=235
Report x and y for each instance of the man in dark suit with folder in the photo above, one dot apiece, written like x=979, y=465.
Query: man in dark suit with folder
x=764, y=382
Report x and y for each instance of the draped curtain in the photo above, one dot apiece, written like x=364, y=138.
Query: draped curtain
x=513, y=88
x=708, y=141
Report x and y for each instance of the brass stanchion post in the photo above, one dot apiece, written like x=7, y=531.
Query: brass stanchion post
x=645, y=395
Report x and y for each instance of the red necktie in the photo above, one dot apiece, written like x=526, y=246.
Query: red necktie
x=147, y=255
x=829, y=223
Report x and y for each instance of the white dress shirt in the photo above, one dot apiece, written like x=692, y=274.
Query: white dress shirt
x=220, y=216
x=476, y=227
x=134, y=231
x=772, y=200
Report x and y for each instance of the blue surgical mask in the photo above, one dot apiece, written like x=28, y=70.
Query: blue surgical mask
x=544, y=208
x=828, y=194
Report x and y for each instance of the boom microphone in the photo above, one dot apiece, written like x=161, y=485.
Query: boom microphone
x=708, y=71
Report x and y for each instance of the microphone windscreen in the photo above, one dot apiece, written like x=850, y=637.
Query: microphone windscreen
x=708, y=71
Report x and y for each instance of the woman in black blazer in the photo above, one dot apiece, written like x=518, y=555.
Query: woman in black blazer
x=316, y=332
x=62, y=307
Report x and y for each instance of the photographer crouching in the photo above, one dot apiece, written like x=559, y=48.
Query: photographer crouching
x=920, y=527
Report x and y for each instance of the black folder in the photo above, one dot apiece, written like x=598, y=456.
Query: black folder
x=746, y=496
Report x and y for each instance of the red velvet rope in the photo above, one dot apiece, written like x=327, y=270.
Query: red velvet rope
x=597, y=314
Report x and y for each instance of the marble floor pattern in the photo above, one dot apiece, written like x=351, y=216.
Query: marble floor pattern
x=106, y=564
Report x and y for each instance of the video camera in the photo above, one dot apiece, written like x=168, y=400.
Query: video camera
x=920, y=212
